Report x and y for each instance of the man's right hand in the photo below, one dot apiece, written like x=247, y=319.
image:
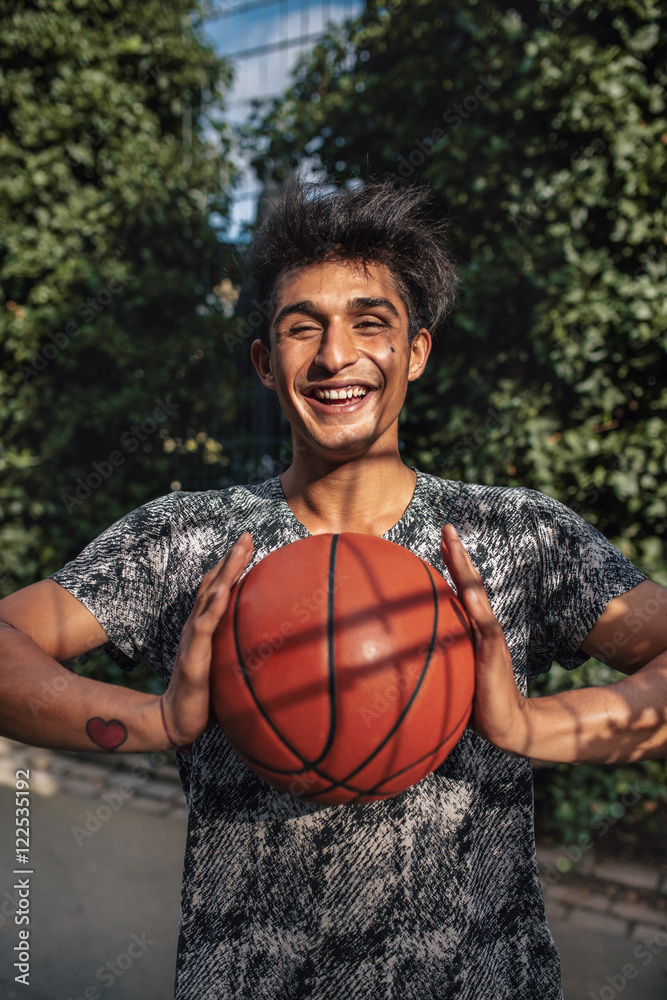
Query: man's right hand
x=187, y=707
x=42, y=703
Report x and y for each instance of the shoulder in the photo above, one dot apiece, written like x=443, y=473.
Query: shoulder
x=183, y=511
x=180, y=524
x=536, y=529
x=496, y=520
x=507, y=506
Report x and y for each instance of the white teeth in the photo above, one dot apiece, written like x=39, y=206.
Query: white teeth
x=355, y=390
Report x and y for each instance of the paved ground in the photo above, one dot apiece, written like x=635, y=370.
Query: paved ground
x=105, y=856
x=610, y=925
x=106, y=849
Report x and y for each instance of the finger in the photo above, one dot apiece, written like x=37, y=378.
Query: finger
x=469, y=583
x=212, y=600
x=457, y=559
x=240, y=550
x=238, y=558
x=225, y=573
x=233, y=566
x=188, y=694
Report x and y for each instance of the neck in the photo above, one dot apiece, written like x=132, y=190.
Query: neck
x=367, y=494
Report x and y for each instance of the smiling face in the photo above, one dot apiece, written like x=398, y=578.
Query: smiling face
x=340, y=359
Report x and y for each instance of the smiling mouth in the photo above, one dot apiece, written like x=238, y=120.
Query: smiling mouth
x=338, y=397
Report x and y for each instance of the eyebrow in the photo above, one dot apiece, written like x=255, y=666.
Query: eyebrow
x=307, y=307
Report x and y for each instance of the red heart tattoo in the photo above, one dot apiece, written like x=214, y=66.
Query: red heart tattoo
x=107, y=735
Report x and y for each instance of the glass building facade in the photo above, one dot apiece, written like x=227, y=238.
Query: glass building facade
x=263, y=40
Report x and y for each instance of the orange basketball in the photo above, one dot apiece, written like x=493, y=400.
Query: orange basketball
x=343, y=669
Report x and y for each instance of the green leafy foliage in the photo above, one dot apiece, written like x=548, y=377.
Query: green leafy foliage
x=595, y=808
x=113, y=367
x=542, y=131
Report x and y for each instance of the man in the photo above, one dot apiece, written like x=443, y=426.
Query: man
x=432, y=894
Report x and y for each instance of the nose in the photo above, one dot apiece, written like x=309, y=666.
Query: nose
x=337, y=347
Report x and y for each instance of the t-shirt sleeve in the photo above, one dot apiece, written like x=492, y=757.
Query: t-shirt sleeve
x=120, y=577
x=579, y=572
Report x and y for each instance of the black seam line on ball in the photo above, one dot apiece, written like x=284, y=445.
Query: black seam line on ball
x=415, y=691
x=360, y=792
x=377, y=789
x=285, y=771
x=342, y=783
x=465, y=716
x=374, y=789
x=311, y=765
x=306, y=764
x=330, y=652
x=239, y=656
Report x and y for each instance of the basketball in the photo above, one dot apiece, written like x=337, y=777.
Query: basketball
x=343, y=669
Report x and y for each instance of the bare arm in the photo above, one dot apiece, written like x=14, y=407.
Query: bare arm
x=44, y=704
x=625, y=721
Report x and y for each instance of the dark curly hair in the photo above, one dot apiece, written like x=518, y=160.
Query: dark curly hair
x=378, y=223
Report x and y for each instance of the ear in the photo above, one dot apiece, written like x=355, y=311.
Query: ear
x=420, y=348
x=261, y=359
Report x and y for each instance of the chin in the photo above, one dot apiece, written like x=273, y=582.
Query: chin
x=346, y=450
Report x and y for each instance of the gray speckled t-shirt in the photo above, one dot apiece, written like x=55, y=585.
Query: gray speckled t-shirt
x=431, y=895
